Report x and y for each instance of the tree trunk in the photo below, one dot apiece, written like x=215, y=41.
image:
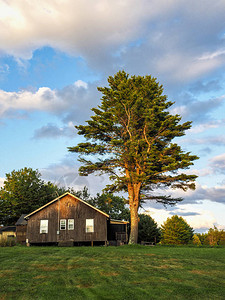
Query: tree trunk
x=134, y=225
x=134, y=196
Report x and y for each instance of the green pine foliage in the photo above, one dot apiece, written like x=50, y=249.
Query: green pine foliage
x=129, y=137
x=203, y=238
x=148, y=229
x=196, y=241
x=176, y=231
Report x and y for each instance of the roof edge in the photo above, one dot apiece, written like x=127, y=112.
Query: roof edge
x=58, y=198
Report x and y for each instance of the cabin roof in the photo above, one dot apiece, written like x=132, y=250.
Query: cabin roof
x=58, y=198
x=8, y=228
x=112, y=221
x=21, y=220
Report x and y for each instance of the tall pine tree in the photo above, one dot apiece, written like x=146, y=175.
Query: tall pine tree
x=129, y=137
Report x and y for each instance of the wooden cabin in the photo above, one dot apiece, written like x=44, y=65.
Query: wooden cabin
x=117, y=232
x=7, y=232
x=68, y=220
x=21, y=230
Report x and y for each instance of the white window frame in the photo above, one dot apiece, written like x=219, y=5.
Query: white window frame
x=70, y=224
x=62, y=221
x=43, y=226
x=89, y=225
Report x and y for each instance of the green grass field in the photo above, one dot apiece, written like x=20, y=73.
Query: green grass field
x=126, y=272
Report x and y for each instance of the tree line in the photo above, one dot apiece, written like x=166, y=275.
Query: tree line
x=24, y=191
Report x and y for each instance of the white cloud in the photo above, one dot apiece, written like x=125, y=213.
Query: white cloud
x=42, y=100
x=74, y=101
x=206, y=126
x=2, y=181
x=72, y=26
x=177, y=36
x=65, y=173
x=53, y=131
x=218, y=163
x=210, y=56
x=200, y=111
x=199, y=216
x=81, y=83
x=201, y=193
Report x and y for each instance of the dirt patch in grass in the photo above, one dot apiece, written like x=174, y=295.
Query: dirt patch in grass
x=129, y=259
x=199, y=272
x=40, y=277
x=5, y=273
x=164, y=267
x=48, y=268
x=150, y=254
x=84, y=285
x=71, y=267
x=3, y=297
x=137, y=283
x=109, y=274
x=177, y=280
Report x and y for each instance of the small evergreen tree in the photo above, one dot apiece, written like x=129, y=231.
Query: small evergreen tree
x=148, y=229
x=196, y=240
x=176, y=231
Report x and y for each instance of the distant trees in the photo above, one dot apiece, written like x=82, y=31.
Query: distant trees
x=23, y=192
x=148, y=229
x=115, y=206
x=214, y=237
x=176, y=231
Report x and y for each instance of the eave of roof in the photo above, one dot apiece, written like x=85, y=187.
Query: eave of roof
x=8, y=228
x=21, y=220
x=58, y=198
x=118, y=222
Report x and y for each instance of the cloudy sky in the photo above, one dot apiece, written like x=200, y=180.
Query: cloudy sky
x=53, y=55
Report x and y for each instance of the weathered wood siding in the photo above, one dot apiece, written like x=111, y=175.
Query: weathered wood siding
x=21, y=234
x=67, y=207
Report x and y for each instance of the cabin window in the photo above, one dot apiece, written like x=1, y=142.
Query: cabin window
x=89, y=225
x=43, y=226
x=70, y=224
x=63, y=224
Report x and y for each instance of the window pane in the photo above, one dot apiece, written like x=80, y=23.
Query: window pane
x=62, y=224
x=43, y=226
x=71, y=224
x=89, y=225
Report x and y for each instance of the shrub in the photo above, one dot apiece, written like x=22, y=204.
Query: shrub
x=196, y=240
x=203, y=238
x=7, y=242
x=176, y=231
x=148, y=230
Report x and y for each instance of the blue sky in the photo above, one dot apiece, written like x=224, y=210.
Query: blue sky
x=53, y=55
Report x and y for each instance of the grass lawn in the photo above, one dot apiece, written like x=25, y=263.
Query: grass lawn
x=126, y=272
